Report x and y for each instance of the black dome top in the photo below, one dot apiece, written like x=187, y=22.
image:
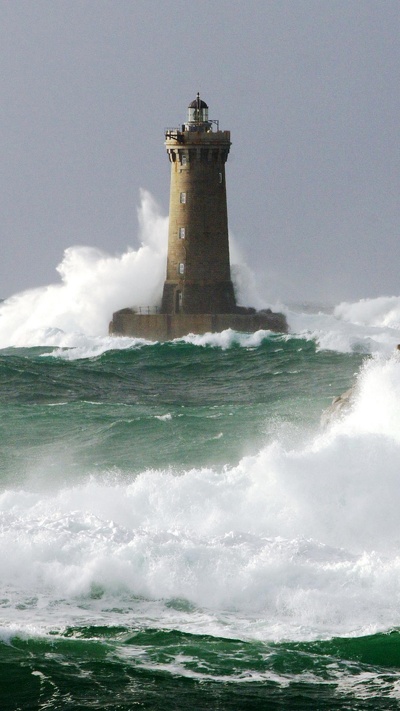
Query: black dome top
x=198, y=103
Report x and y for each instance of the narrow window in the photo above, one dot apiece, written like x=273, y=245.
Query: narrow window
x=181, y=268
x=181, y=233
x=220, y=177
x=182, y=198
x=184, y=159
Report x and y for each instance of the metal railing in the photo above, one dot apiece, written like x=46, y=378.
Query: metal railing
x=147, y=310
x=179, y=129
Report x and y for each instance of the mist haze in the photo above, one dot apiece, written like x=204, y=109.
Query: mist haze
x=309, y=91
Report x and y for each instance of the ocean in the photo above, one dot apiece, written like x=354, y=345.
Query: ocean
x=181, y=528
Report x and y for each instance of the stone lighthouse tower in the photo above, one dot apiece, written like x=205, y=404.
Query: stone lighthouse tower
x=198, y=269
x=198, y=295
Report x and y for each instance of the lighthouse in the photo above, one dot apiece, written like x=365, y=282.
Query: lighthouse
x=198, y=295
x=198, y=276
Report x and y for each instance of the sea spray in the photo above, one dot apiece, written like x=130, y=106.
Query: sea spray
x=93, y=285
x=383, y=312
x=336, y=330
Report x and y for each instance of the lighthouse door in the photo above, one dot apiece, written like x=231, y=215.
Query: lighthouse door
x=178, y=301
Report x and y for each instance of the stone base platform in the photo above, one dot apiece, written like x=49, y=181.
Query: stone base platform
x=165, y=327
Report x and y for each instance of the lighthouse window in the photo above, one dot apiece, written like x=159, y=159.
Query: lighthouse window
x=181, y=233
x=182, y=198
x=181, y=268
x=184, y=159
x=220, y=177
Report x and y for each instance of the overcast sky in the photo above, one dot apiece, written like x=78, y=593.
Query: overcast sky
x=308, y=88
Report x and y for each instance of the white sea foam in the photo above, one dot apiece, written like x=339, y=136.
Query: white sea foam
x=77, y=346
x=383, y=312
x=227, y=339
x=339, y=331
x=93, y=285
x=290, y=543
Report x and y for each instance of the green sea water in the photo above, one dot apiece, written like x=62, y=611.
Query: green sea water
x=178, y=530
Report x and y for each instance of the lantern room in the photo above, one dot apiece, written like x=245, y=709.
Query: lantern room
x=197, y=114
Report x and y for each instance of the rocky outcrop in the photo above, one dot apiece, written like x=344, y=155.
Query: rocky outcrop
x=340, y=406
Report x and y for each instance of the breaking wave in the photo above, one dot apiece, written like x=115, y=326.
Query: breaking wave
x=298, y=543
